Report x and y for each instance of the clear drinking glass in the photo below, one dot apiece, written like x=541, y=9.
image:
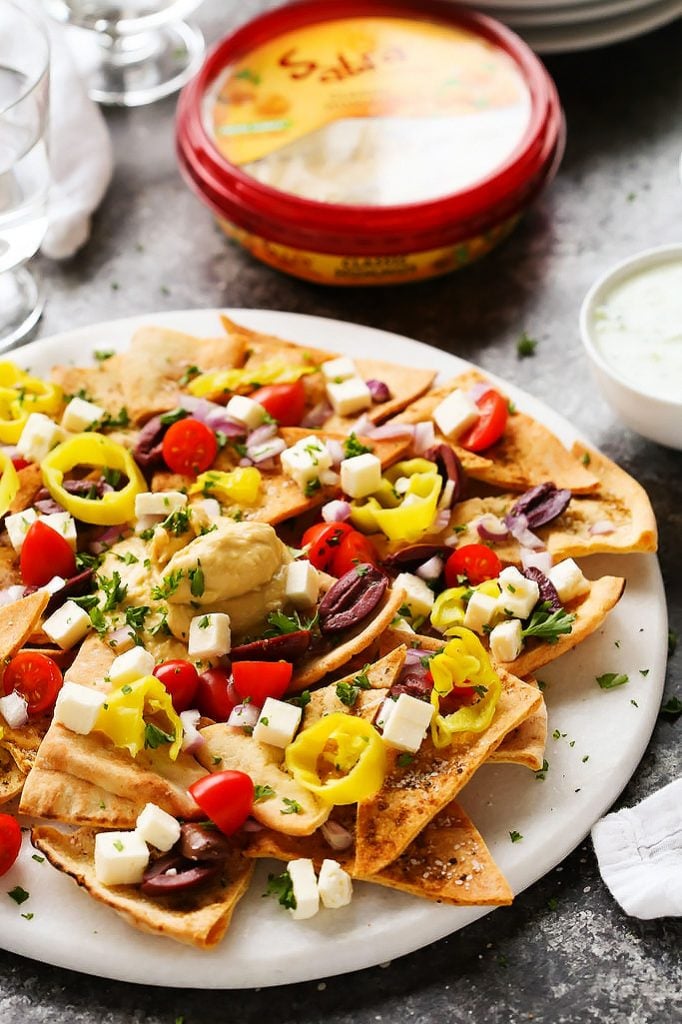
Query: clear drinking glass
x=134, y=51
x=24, y=171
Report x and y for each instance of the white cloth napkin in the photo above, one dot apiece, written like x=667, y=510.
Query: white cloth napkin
x=80, y=153
x=639, y=850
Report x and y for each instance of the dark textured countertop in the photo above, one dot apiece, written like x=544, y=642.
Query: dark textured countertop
x=564, y=953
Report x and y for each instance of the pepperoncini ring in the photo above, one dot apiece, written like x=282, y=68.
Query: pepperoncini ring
x=221, y=382
x=240, y=485
x=20, y=395
x=463, y=662
x=9, y=482
x=121, y=717
x=401, y=514
x=92, y=449
x=344, y=744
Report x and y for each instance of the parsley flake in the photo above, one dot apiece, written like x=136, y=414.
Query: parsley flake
x=282, y=887
x=672, y=708
x=262, y=793
x=525, y=346
x=610, y=680
x=18, y=894
x=547, y=625
x=515, y=836
x=353, y=447
x=155, y=737
x=292, y=806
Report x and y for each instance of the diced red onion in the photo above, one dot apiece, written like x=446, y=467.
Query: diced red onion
x=432, y=569
x=424, y=437
x=336, y=511
x=336, y=836
x=541, y=560
x=518, y=527
x=452, y=542
x=244, y=461
x=336, y=452
x=251, y=825
x=441, y=522
x=388, y=431
x=317, y=416
x=362, y=426
x=10, y=450
x=261, y=434
x=192, y=739
x=121, y=639
x=245, y=715
x=601, y=527
x=14, y=709
x=268, y=464
x=48, y=506
x=492, y=528
x=212, y=414
x=477, y=391
x=378, y=389
x=329, y=478
x=8, y=595
x=267, y=450
x=114, y=533
x=445, y=500
x=414, y=656
x=232, y=694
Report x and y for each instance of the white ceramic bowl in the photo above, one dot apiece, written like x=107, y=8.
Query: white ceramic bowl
x=658, y=418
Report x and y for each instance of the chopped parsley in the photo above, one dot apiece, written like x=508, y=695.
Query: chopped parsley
x=353, y=447
x=18, y=894
x=262, y=793
x=29, y=916
x=84, y=560
x=128, y=559
x=301, y=700
x=610, y=680
x=312, y=487
x=196, y=581
x=97, y=619
x=547, y=625
x=109, y=420
x=552, y=903
x=540, y=775
x=586, y=458
x=292, y=806
x=348, y=693
x=172, y=416
x=282, y=887
x=118, y=845
x=204, y=623
x=404, y=760
x=102, y=354
x=114, y=590
x=168, y=585
x=515, y=836
x=155, y=737
x=525, y=346
x=672, y=708
x=281, y=623
x=135, y=616
x=37, y=858
x=190, y=373
x=177, y=522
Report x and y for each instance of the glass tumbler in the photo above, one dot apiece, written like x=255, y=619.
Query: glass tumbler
x=24, y=171
x=133, y=51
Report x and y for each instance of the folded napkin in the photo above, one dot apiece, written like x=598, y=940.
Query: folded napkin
x=639, y=850
x=79, y=146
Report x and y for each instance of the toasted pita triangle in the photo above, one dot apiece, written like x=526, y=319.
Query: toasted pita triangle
x=199, y=917
x=262, y=348
x=380, y=676
x=30, y=482
x=11, y=777
x=405, y=384
x=412, y=796
x=18, y=621
x=63, y=797
x=92, y=663
x=525, y=745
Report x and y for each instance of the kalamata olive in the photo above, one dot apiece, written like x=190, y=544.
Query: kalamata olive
x=200, y=843
x=287, y=647
x=352, y=598
x=412, y=682
x=415, y=555
x=149, y=445
x=75, y=586
x=545, y=586
x=174, y=873
x=378, y=390
x=449, y=467
x=540, y=505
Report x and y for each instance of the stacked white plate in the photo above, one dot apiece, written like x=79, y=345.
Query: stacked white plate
x=560, y=26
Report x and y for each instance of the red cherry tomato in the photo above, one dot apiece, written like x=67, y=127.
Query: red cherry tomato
x=212, y=696
x=44, y=554
x=261, y=679
x=181, y=680
x=226, y=798
x=322, y=541
x=457, y=698
x=19, y=463
x=35, y=677
x=10, y=842
x=354, y=549
x=284, y=402
x=490, y=425
x=189, y=447
x=475, y=561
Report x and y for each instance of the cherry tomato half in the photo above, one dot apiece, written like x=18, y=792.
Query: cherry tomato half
x=458, y=697
x=353, y=550
x=475, y=561
x=44, y=554
x=189, y=447
x=261, y=679
x=226, y=798
x=490, y=425
x=284, y=402
x=212, y=696
x=322, y=541
x=181, y=680
x=10, y=842
x=35, y=677
x=20, y=463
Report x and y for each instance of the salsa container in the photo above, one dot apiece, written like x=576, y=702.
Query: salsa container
x=457, y=121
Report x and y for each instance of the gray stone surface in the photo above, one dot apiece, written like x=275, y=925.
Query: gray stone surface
x=564, y=954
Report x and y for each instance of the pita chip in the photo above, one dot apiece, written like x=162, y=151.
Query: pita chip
x=405, y=384
x=11, y=777
x=62, y=797
x=198, y=917
x=525, y=745
x=18, y=621
x=378, y=677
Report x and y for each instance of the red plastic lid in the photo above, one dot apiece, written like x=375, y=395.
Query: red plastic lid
x=220, y=169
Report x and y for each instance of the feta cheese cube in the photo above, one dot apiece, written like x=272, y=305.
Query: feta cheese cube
x=302, y=586
x=384, y=713
x=63, y=524
x=18, y=526
x=245, y=410
x=334, y=885
x=77, y=707
x=419, y=597
x=518, y=595
x=306, y=460
x=361, y=475
x=79, y=415
x=337, y=370
x=159, y=503
x=158, y=828
x=568, y=580
x=456, y=413
x=67, y=625
x=302, y=875
x=120, y=858
x=209, y=635
x=131, y=665
x=54, y=585
x=211, y=507
x=277, y=723
x=38, y=437
x=407, y=724
x=480, y=611
x=506, y=641
x=349, y=397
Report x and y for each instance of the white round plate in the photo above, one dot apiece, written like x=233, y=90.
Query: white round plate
x=602, y=736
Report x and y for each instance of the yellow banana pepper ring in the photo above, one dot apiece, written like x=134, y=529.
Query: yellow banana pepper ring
x=241, y=485
x=93, y=449
x=464, y=662
x=9, y=483
x=450, y=607
x=122, y=717
x=20, y=395
x=222, y=382
x=405, y=516
x=341, y=759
